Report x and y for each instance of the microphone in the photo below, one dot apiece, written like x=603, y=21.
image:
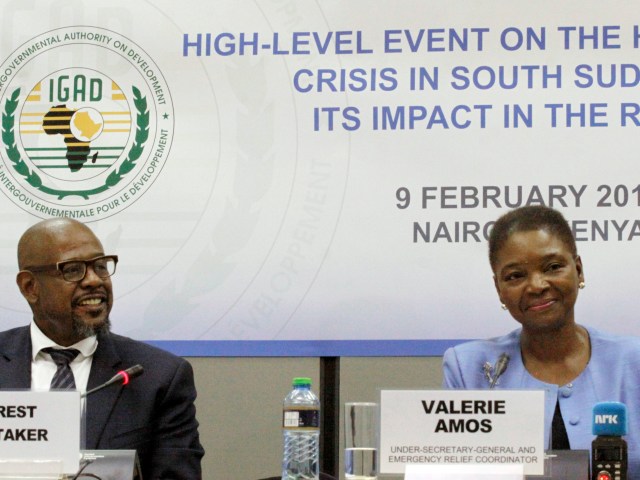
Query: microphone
x=609, y=450
x=500, y=368
x=123, y=377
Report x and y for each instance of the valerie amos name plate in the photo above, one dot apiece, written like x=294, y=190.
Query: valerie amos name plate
x=461, y=427
x=39, y=431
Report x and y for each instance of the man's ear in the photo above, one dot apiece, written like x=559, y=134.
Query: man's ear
x=28, y=286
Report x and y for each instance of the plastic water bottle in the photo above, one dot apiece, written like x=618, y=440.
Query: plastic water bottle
x=301, y=427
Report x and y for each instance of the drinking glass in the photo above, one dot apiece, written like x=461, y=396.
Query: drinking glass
x=361, y=440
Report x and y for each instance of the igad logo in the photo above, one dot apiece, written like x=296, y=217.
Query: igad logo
x=83, y=141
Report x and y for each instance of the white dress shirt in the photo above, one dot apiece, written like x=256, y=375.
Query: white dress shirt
x=43, y=368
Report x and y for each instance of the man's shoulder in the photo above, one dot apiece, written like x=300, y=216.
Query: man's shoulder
x=141, y=352
x=15, y=341
x=14, y=331
x=7, y=336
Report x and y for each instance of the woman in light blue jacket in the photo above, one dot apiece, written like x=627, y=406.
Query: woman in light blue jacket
x=537, y=274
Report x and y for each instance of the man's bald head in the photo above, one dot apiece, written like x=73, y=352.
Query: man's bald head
x=40, y=243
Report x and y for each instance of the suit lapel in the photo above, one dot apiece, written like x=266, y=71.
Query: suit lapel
x=15, y=360
x=100, y=404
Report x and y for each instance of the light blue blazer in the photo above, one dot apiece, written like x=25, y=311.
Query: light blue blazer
x=613, y=374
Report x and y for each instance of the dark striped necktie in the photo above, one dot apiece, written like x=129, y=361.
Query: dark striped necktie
x=63, y=378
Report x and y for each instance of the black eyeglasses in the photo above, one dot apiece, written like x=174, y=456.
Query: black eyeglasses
x=75, y=270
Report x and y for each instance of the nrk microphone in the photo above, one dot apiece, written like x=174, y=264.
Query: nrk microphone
x=121, y=377
x=499, y=369
x=609, y=449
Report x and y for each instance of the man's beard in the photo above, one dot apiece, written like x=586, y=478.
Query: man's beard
x=83, y=330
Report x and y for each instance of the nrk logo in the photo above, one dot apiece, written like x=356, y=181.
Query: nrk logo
x=606, y=419
x=87, y=138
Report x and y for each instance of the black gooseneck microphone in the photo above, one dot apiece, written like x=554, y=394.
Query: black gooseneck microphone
x=122, y=377
x=500, y=368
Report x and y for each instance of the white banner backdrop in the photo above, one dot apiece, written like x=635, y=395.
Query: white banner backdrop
x=317, y=178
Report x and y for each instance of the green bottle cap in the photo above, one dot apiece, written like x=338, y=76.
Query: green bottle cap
x=300, y=381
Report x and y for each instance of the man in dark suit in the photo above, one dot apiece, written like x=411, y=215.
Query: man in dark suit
x=65, y=277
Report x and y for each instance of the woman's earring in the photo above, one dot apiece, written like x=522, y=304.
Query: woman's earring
x=503, y=306
x=581, y=285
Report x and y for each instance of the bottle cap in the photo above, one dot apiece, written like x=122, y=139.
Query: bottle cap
x=301, y=381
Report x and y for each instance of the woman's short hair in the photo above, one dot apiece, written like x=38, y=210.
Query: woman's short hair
x=526, y=219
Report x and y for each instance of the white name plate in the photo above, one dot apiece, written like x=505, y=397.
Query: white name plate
x=464, y=472
x=39, y=430
x=434, y=427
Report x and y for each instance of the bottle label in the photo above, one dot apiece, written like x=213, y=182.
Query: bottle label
x=303, y=419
